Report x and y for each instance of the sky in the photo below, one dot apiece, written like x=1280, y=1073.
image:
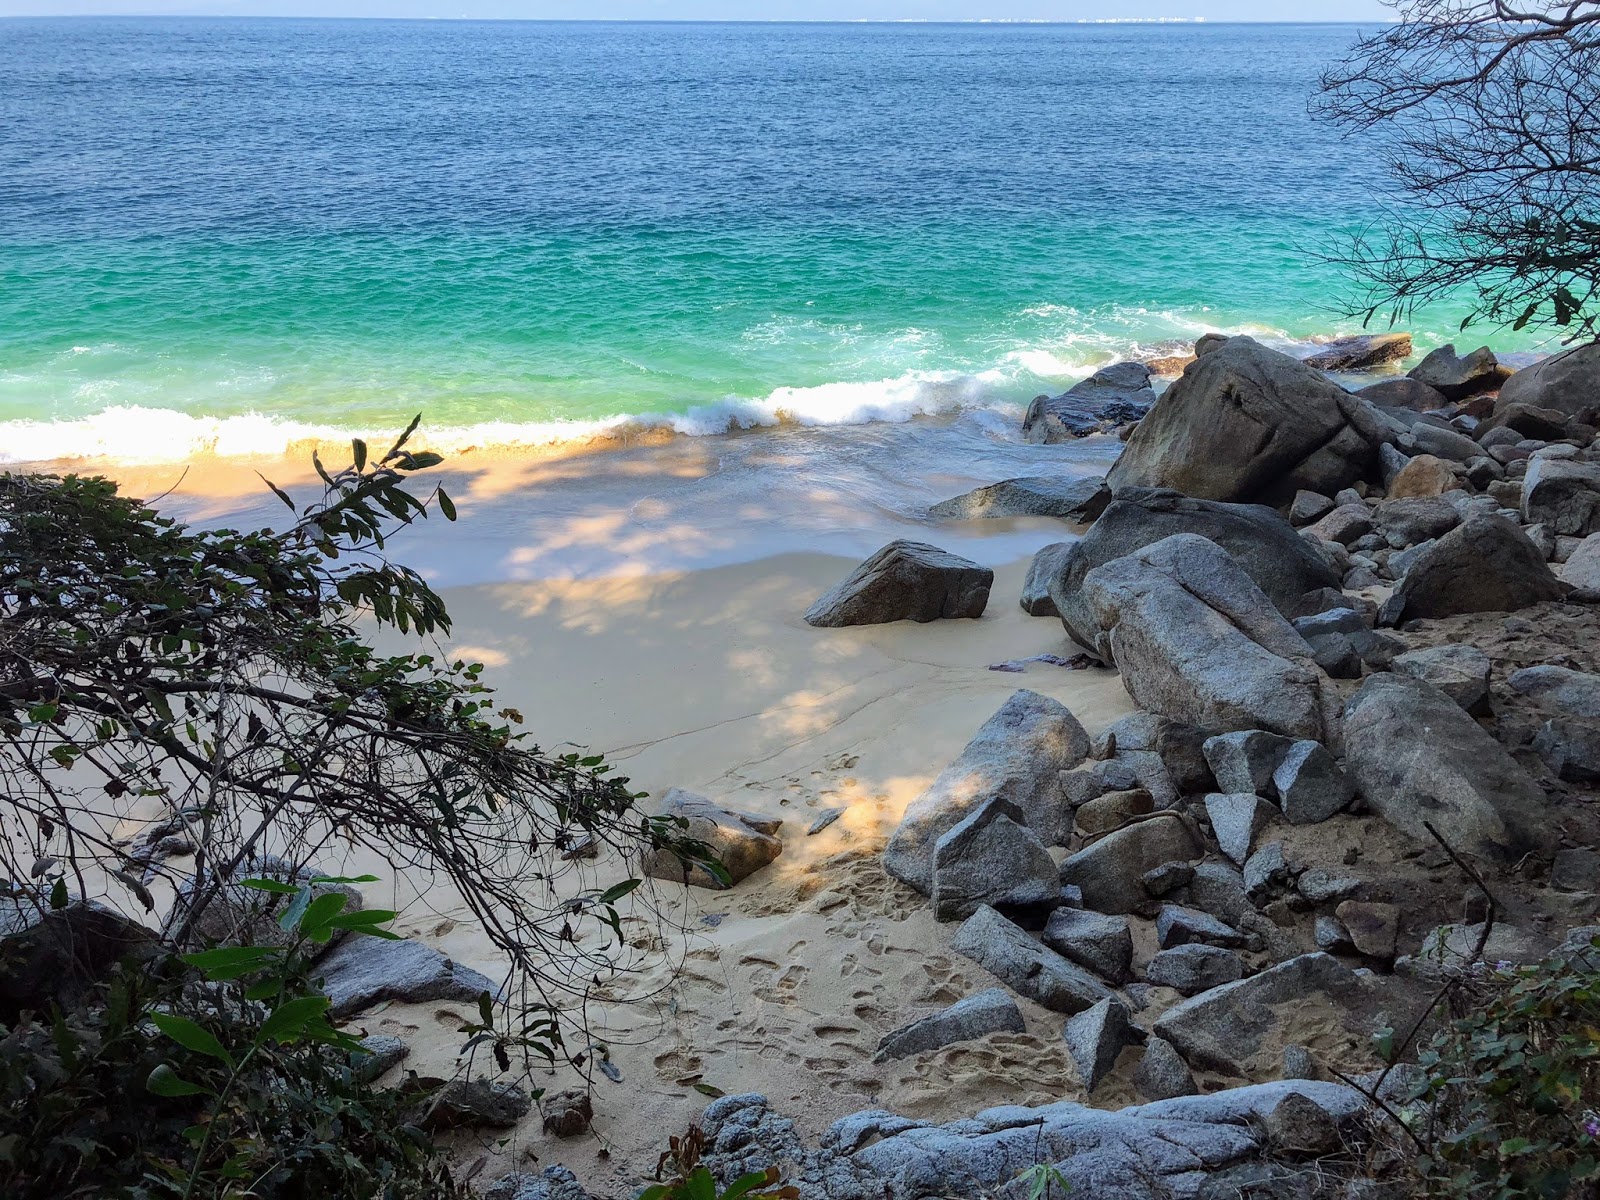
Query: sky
x=735, y=10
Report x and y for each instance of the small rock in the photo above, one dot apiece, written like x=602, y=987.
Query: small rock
x=1459, y=671
x=1299, y=1125
x=1343, y=525
x=1162, y=1074
x=1298, y=1063
x=1096, y=1036
x=1022, y=964
x=1179, y=926
x=1330, y=934
x=1168, y=877
x=1443, y=443
x=736, y=839
x=1373, y=927
x=1098, y=941
x=1078, y=499
x=552, y=1183
x=361, y=971
x=1308, y=507
x=1582, y=564
x=1219, y=890
x=567, y=1113
x=1570, y=748
x=475, y=1103
x=1576, y=870
x=1236, y=818
x=1322, y=887
x=1245, y=761
x=992, y=858
x=906, y=581
x=376, y=1056
x=1194, y=968
x=989, y=1011
x=1265, y=868
x=1310, y=786
x=1424, y=475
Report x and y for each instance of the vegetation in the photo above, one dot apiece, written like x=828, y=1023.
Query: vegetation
x=683, y=1176
x=217, y=690
x=1486, y=114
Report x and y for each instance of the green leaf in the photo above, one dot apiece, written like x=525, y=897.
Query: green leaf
x=289, y=920
x=358, y=450
x=277, y=491
x=164, y=1081
x=291, y=1019
x=344, y=879
x=368, y=921
x=446, y=505
x=314, y=921
x=617, y=891
x=270, y=885
x=59, y=898
x=191, y=1036
x=746, y=1184
x=700, y=1185
x=710, y=1089
x=229, y=962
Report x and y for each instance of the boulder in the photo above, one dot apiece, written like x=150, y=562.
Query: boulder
x=991, y=857
x=1512, y=422
x=1193, y=968
x=1343, y=526
x=475, y=1104
x=1563, y=495
x=1112, y=396
x=1112, y=810
x=741, y=842
x=552, y=1183
x=1360, y=352
x=1281, y=562
x=1568, y=382
x=1458, y=377
x=1007, y=952
x=1198, y=642
x=1576, y=870
x=1373, y=927
x=1265, y=870
x=1485, y=564
x=1299, y=1126
x=1077, y=499
x=1309, y=785
x=1110, y=871
x=1308, y=507
x=1416, y=757
x=906, y=581
x=1418, y=519
x=1582, y=568
x=1018, y=756
x=1180, y=926
x=1403, y=393
x=1162, y=1074
x=1096, y=1036
x=1245, y=760
x=1168, y=877
x=361, y=971
x=1443, y=443
x=1246, y=423
x=1236, y=818
x=1176, y=744
x=1098, y=941
x=1045, y=569
x=1560, y=689
x=1570, y=748
x=56, y=956
x=1459, y=671
x=1422, y=476
x=1237, y=1028
x=989, y=1011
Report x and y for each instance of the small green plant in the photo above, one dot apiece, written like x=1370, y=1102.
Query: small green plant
x=1510, y=1089
x=690, y=1179
x=1044, y=1182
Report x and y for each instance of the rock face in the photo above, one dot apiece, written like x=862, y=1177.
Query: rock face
x=1110, y=397
x=1245, y=423
x=1360, y=352
x=1007, y=952
x=741, y=842
x=991, y=857
x=361, y=971
x=1280, y=562
x=990, y=1011
x=1018, y=756
x=1232, y=1028
x=1417, y=757
x=1563, y=495
x=1568, y=382
x=1045, y=569
x=1079, y=500
x=1457, y=377
x=1485, y=564
x=1197, y=641
x=1110, y=872
x=906, y=581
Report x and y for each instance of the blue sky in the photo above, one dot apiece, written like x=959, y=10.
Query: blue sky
x=677, y=10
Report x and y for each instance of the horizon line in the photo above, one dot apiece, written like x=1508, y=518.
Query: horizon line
x=224, y=16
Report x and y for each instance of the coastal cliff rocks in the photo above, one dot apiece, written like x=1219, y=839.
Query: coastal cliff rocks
x=1112, y=396
x=1460, y=376
x=1197, y=641
x=1280, y=562
x=1017, y=756
x=1078, y=499
x=1568, y=382
x=989, y=1011
x=741, y=842
x=1417, y=757
x=906, y=581
x=1249, y=424
x=1486, y=564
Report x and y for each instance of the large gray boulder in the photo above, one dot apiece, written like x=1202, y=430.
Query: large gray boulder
x=1416, y=757
x=1282, y=564
x=1238, y=1028
x=1018, y=755
x=1246, y=423
x=1005, y=950
x=1112, y=396
x=989, y=1011
x=1563, y=495
x=742, y=843
x=1110, y=872
x=1456, y=669
x=1196, y=640
x=1485, y=564
x=1460, y=376
x=992, y=857
x=1079, y=499
x=361, y=971
x=1568, y=382
x=906, y=581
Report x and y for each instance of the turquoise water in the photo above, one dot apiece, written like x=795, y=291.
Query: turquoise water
x=232, y=230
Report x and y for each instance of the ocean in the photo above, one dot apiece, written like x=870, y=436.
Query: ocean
x=221, y=235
